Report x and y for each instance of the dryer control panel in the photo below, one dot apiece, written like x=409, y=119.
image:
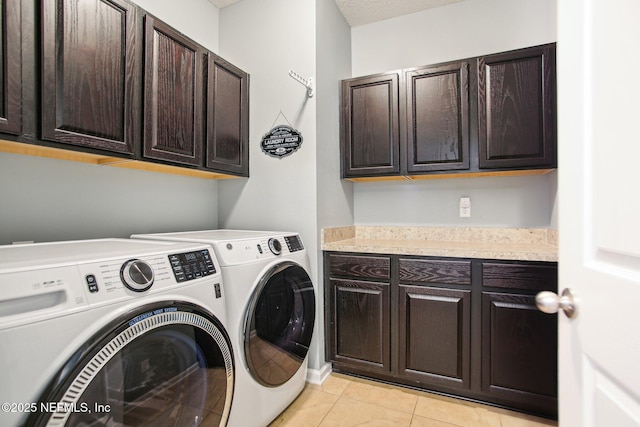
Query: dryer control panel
x=239, y=251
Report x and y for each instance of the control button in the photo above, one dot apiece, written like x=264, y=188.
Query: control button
x=275, y=246
x=91, y=283
x=259, y=249
x=229, y=246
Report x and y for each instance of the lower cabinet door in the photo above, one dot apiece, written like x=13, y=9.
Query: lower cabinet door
x=359, y=324
x=435, y=335
x=519, y=352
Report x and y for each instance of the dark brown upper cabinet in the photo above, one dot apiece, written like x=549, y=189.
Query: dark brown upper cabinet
x=370, y=126
x=444, y=129
x=173, y=95
x=10, y=68
x=91, y=71
x=437, y=118
x=227, y=117
x=517, y=109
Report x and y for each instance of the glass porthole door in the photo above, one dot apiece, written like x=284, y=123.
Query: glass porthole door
x=279, y=324
x=164, y=365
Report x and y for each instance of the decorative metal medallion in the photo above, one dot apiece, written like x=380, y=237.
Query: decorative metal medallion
x=281, y=141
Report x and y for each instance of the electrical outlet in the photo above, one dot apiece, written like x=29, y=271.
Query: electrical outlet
x=465, y=207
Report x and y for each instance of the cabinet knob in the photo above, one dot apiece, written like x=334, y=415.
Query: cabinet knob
x=550, y=302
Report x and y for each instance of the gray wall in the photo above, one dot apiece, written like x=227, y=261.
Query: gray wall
x=44, y=200
x=460, y=30
x=334, y=196
x=303, y=191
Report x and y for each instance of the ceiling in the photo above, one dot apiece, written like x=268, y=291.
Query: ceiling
x=361, y=12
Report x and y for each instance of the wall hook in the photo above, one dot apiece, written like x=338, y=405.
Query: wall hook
x=305, y=82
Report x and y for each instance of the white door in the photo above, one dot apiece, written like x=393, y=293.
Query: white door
x=599, y=211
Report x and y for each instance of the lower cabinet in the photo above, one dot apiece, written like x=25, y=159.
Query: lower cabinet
x=464, y=327
x=361, y=319
x=434, y=335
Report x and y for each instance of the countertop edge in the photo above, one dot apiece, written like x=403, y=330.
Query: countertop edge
x=541, y=249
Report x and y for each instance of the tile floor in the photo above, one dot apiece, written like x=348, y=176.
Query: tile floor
x=348, y=401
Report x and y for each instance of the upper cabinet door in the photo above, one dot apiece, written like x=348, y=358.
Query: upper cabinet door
x=10, y=68
x=227, y=117
x=437, y=118
x=370, y=126
x=173, y=97
x=517, y=109
x=91, y=74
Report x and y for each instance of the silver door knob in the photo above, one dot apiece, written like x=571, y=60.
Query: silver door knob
x=550, y=302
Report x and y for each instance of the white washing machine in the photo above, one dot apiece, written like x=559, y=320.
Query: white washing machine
x=113, y=332
x=271, y=312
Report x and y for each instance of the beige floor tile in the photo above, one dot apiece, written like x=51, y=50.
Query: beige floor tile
x=418, y=421
x=334, y=384
x=308, y=410
x=458, y=413
x=382, y=395
x=349, y=412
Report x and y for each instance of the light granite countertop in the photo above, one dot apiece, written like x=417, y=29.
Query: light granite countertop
x=522, y=244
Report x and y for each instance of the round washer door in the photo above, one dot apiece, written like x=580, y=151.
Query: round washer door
x=167, y=364
x=279, y=323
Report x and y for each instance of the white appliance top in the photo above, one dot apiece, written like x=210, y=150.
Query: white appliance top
x=213, y=235
x=39, y=255
x=234, y=247
x=43, y=280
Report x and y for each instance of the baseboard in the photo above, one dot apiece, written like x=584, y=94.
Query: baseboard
x=317, y=376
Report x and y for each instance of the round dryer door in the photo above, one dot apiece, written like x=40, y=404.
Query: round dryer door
x=164, y=365
x=279, y=324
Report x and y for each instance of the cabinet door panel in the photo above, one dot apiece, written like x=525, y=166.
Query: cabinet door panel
x=516, y=108
x=370, y=126
x=227, y=117
x=435, y=335
x=10, y=68
x=360, y=324
x=519, y=351
x=438, y=118
x=173, y=125
x=91, y=74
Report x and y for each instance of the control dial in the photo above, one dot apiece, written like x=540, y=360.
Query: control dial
x=275, y=246
x=137, y=275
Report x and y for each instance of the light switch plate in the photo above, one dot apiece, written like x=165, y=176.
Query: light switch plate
x=465, y=207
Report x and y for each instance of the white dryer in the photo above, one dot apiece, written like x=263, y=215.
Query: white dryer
x=271, y=312
x=113, y=332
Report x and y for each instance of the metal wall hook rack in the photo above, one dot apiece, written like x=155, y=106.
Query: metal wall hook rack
x=305, y=82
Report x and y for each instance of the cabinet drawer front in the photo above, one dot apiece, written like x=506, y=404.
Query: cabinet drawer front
x=431, y=271
x=368, y=267
x=534, y=277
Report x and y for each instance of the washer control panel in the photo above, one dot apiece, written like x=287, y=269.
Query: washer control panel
x=192, y=265
x=294, y=243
